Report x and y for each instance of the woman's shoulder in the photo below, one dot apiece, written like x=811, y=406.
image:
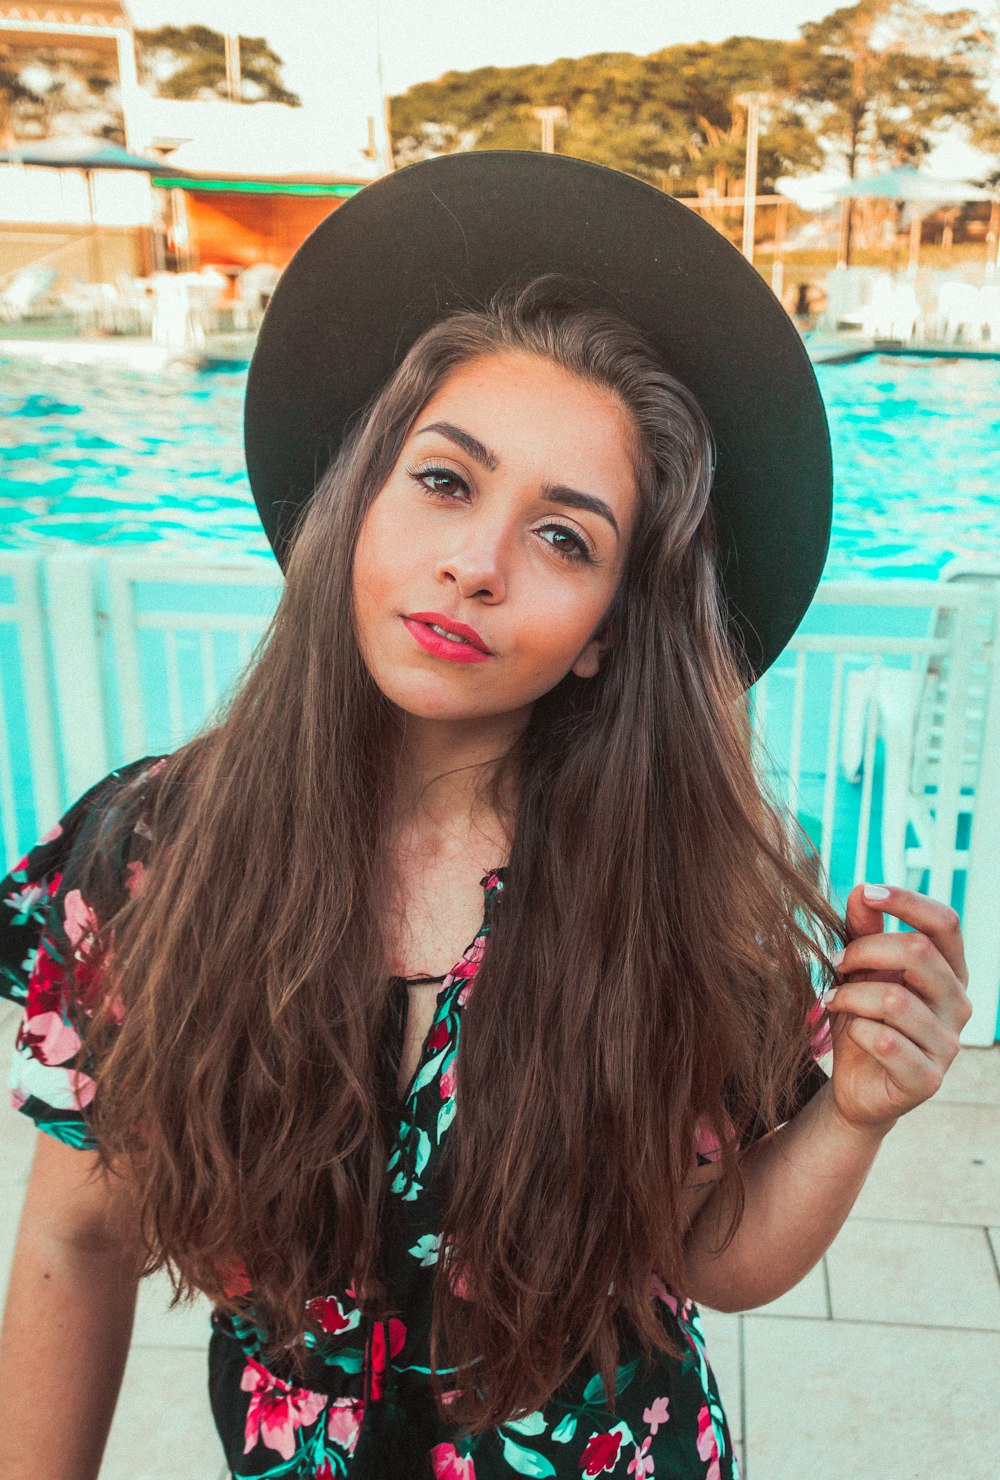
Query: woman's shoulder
x=46, y=895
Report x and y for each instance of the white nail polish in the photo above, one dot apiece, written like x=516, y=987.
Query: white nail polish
x=875, y=891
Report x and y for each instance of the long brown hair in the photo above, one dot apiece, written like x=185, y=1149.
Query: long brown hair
x=650, y=964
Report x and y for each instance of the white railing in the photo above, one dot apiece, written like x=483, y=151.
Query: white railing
x=879, y=724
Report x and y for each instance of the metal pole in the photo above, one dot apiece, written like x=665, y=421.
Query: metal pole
x=234, y=73
x=750, y=184
x=549, y=117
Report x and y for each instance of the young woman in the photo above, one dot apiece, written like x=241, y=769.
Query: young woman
x=446, y=1009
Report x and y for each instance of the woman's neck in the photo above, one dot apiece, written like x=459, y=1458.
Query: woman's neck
x=444, y=799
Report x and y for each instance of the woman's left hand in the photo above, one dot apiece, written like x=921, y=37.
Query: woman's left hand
x=901, y=1013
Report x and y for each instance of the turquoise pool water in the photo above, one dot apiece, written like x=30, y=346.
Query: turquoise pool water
x=111, y=458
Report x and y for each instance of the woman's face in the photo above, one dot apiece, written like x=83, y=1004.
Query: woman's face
x=508, y=514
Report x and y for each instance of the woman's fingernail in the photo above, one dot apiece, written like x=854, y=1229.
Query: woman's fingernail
x=837, y=957
x=875, y=891
x=828, y=997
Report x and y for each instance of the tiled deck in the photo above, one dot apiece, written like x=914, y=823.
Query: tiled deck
x=883, y=1364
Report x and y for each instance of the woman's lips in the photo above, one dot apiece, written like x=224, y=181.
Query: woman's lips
x=443, y=647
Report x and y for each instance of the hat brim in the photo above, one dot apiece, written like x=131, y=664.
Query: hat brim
x=436, y=235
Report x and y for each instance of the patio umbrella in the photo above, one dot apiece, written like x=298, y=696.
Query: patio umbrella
x=908, y=184
x=88, y=154
x=84, y=153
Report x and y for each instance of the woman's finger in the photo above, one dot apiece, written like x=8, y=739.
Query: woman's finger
x=915, y=1076
x=931, y=917
x=899, y=1008
x=921, y=966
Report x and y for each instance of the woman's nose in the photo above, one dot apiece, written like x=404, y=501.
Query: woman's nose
x=476, y=565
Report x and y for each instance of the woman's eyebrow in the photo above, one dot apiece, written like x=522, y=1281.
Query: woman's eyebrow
x=466, y=441
x=553, y=493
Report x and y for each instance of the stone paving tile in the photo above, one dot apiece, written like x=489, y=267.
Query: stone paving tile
x=973, y=1079
x=837, y=1400
x=723, y=1340
x=939, y=1164
x=922, y=1274
x=807, y=1298
x=163, y=1427
x=993, y=1234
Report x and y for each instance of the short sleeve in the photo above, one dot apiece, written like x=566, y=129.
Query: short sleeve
x=810, y=1081
x=45, y=923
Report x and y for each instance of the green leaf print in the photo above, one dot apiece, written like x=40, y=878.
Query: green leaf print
x=426, y=1249
x=564, y=1429
x=531, y=1423
x=350, y=1360
x=423, y=1151
x=445, y=1117
x=594, y=1391
x=525, y=1461
x=428, y=1072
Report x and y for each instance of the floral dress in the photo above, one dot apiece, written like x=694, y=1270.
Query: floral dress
x=363, y=1408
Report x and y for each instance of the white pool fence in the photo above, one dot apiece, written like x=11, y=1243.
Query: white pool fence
x=879, y=724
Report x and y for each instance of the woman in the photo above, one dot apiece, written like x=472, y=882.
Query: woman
x=452, y=1206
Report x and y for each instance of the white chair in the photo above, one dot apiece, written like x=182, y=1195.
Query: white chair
x=912, y=710
x=989, y=302
x=254, y=287
x=960, y=313
x=26, y=288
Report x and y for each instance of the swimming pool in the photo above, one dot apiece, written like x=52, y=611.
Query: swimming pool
x=115, y=459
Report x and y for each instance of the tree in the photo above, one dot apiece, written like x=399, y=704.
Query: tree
x=68, y=83
x=883, y=78
x=671, y=118
x=190, y=62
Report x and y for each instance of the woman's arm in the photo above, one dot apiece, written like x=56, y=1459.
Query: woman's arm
x=895, y=1032
x=68, y=1318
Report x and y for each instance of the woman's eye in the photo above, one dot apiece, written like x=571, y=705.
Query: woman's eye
x=567, y=542
x=433, y=481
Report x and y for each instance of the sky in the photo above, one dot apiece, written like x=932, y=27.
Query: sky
x=324, y=42
x=329, y=46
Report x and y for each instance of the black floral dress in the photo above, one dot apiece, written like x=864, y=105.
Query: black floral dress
x=364, y=1408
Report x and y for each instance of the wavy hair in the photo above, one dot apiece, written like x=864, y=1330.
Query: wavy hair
x=649, y=971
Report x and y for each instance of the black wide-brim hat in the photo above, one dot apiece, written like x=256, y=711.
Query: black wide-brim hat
x=436, y=235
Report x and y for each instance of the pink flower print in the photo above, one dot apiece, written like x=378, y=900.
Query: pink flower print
x=438, y=1037
x=448, y=1464
x=397, y=1339
x=328, y=1313
x=465, y=994
x=600, y=1454
x=708, y=1446
x=79, y=919
x=83, y=1088
x=136, y=880
x=54, y=832
x=706, y=1142
x=447, y=1084
x=642, y=1464
x=344, y=1423
x=276, y=1410
x=656, y=1414
x=659, y=1289
x=469, y=964
x=49, y=1039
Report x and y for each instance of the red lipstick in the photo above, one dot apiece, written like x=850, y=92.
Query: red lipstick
x=471, y=648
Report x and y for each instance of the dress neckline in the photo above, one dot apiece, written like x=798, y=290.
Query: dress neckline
x=487, y=883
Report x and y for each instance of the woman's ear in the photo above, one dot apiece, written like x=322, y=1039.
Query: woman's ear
x=589, y=661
